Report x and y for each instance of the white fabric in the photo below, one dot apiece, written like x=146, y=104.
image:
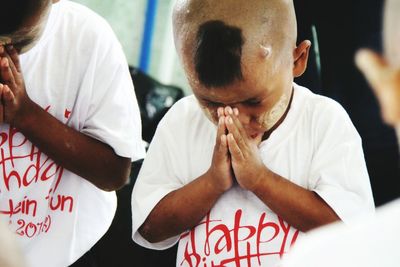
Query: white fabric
x=10, y=255
x=370, y=242
x=79, y=74
x=316, y=147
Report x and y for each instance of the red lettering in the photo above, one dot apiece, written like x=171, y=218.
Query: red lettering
x=26, y=206
x=238, y=245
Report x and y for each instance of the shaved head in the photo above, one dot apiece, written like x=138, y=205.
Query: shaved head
x=217, y=37
x=240, y=53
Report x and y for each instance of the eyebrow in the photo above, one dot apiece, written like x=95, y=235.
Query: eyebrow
x=251, y=99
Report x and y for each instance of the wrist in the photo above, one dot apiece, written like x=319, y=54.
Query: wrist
x=260, y=179
x=25, y=116
x=216, y=183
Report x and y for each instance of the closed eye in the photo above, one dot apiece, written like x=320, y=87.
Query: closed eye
x=252, y=102
x=213, y=104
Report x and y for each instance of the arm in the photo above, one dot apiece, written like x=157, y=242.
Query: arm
x=300, y=207
x=385, y=82
x=83, y=155
x=182, y=209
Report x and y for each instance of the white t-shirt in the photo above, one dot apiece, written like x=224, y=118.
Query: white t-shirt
x=10, y=255
x=370, y=242
x=316, y=147
x=79, y=74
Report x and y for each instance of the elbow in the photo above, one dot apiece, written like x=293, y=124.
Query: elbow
x=117, y=177
x=327, y=219
x=148, y=234
x=117, y=183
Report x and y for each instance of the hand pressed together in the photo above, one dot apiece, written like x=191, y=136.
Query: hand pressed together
x=14, y=99
x=236, y=153
x=243, y=149
x=221, y=169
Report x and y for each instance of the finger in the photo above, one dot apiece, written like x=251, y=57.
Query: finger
x=11, y=65
x=373, y=66
x=220, y=130
x=237, y=123
x=14, y=57
x=1, y=104
x=234, y=149
x=8, y=95
x=228, y=111
x=6, y=73
x=232, y=129
x=220, y=111
x=223, y=148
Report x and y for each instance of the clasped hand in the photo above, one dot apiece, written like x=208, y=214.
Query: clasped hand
x=14, y=99
x=236, y=154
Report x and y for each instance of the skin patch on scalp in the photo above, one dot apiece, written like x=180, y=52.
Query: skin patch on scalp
x=266, y=50
x=270, y=118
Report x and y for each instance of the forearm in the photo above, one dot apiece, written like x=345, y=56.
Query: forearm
x=301, y=208
x=81, y=154
x=180, y=210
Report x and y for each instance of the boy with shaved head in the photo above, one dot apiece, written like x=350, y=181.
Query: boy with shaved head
x=69, y=128
x=238, y=171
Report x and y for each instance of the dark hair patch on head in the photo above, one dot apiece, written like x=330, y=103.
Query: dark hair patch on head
x=218, y=54
x=15, y=13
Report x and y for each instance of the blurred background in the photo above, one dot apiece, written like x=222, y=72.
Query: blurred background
x=145, y=31
x=336, y=28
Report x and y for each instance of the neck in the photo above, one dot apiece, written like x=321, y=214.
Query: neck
x=281, y=119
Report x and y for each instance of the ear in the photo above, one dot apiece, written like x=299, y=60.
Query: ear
x=300, y=55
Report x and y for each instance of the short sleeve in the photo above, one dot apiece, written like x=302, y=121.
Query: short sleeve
x=338, y=173
x=158, y=176
x=113, y=115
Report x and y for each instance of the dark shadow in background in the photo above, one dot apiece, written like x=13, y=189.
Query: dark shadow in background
x=342, y=28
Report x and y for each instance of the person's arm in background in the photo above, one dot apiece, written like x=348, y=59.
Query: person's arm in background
x=385, y=82
x=383, y=72
x=89, y=158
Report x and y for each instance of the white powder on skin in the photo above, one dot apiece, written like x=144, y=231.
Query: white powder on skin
x=268, y=119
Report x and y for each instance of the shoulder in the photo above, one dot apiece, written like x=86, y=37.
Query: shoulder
x=322, y=112
x=80, y=15
x=319, y=104
x=186, y=120
x=185, y=111
x=83, y=24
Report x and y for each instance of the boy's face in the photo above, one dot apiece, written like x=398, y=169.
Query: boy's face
x=261, y=97
x=29, y=33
